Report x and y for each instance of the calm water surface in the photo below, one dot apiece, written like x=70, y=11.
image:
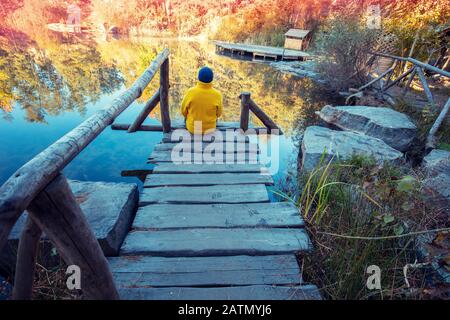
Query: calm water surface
x=50, y=84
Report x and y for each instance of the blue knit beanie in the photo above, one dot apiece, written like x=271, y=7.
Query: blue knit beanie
x=205, y=75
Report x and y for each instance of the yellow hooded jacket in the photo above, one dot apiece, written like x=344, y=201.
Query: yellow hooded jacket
x=202, y=103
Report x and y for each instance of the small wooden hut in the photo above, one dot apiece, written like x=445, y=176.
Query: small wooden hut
x=297, y=39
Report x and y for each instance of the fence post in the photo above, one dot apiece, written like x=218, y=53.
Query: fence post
x=57, y=213
x=164, y=96
x=245, y=110
x=26, y=260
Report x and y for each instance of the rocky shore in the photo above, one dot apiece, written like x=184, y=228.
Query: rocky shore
x=385, y=135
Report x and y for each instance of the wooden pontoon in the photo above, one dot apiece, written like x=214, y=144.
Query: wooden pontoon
x=260, y=53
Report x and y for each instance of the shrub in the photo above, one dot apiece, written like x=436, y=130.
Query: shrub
x=342, y=46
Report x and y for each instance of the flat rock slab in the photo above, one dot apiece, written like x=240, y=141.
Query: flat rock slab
x=394, y=128
x=203, y=195
x=437, y=167
x=175, y=216
x=261, y=292
x=200, y=179
x=330, y=144
x=162, y=168
x=109, y=209
x=146, y=271
x=216, y=242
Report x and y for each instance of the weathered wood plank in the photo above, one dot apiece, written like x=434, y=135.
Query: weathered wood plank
x=212, y=194
x=179, y=179
x=25, y=184
x=185, y=136
x=170, y=216
x=166, y=167
x=258, y=292
x=216, y=242
x=146, y=271
x=198, y=157
x=156, y=128
x=222, y=147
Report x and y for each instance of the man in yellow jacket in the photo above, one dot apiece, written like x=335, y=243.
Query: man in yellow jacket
x=202, y=104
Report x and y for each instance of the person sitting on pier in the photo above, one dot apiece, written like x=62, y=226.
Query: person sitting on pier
x=202, y=104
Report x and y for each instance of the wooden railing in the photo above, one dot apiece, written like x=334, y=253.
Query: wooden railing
x=40, y=188
x=247, y=105
x=385, y=81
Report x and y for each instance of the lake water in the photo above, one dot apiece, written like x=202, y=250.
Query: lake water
x=51, y=83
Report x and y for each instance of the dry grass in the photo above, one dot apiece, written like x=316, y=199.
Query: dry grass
x=360, y=214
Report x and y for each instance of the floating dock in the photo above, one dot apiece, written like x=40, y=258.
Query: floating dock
x=259, y=53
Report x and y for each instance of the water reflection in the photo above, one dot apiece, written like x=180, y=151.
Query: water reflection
x=51, y=84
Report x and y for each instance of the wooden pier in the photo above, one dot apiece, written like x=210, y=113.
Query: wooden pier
x=260, y=53
x=201, y=231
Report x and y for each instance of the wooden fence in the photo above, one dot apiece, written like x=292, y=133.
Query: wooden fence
x=396, y=75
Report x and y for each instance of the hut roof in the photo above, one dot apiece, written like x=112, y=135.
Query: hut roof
x=297, y=33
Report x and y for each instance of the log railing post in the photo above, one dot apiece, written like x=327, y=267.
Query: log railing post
x=57, y=213
x=26, y=260
x=148, y=107
x=426, y=88
x=431, y=138
x=245, y=110
x=164, y=96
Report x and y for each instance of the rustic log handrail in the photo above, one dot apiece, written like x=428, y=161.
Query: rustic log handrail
x=39, y=187
x=247, y=105
x=418, y=63
x=417, y=69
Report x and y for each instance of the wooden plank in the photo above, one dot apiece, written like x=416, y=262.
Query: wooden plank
x=185, y=136
x=158, y=128
x=27, y=182
x=216, y=242
x=146, y=271
x=258, y=292
x=172, y=216
x=165, y=167
x=199, y=179
x=223, y=147
x=212, y=194
x=204, y=158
